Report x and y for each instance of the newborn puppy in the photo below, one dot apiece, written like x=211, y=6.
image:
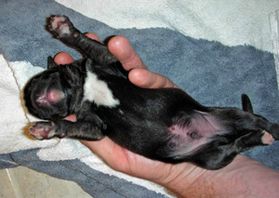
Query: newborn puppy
x=163, y=124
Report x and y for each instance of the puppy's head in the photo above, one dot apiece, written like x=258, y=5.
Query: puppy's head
x=47, y=95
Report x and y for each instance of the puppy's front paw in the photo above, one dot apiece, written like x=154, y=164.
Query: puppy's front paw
x=267, y=138
x=59, y=26
x=42, y=130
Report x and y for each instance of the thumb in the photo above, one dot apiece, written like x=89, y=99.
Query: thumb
x=146, y=79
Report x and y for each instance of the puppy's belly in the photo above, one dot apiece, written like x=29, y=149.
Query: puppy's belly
x=186, y=140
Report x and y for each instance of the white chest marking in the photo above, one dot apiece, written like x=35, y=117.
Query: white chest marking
x=97, y=91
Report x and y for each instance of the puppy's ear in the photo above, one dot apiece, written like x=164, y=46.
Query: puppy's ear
x=246, y=103
x=50, y=62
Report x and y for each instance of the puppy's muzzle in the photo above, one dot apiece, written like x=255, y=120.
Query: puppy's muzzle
x=50, y=97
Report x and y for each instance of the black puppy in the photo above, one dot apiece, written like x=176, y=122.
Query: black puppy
x=162, y=124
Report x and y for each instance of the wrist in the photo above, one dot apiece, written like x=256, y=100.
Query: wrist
x=242, y=178
x=185, y=180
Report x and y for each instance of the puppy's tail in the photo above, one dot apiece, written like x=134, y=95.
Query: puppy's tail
x=246, y=103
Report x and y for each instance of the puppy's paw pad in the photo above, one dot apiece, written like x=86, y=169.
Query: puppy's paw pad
x=42, y=130
x=267, y=138
x=59, y=25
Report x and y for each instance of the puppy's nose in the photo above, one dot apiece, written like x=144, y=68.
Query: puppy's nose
x=50, y=97
x=55, y=96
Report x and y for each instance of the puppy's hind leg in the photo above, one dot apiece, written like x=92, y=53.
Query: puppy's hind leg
x=255, y=138
x=63, y=29
x=222, y=151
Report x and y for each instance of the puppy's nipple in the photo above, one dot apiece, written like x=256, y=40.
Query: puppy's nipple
x=55, y=96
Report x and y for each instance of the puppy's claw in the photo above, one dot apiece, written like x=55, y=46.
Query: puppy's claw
x=42, y=130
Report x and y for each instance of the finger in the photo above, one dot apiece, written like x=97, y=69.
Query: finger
x=147, y=79
x=63, y=58
x=120, y=47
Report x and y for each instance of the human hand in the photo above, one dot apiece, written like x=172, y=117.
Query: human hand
x=114, y=155
x=184, y=179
